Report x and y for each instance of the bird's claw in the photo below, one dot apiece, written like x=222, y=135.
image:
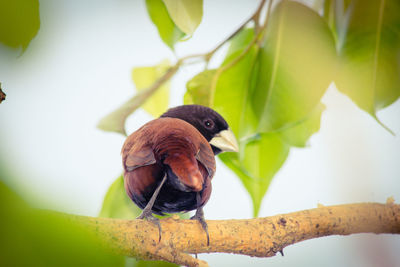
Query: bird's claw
x=199, y=216
x=148, y=216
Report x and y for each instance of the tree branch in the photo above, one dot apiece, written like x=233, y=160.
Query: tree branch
x=259, y=237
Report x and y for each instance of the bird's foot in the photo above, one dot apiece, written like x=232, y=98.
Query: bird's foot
x=200, y=217
x=148, y=216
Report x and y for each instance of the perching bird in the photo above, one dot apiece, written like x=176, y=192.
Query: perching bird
x=169, y=162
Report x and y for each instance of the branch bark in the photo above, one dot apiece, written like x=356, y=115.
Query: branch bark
x=259, y=237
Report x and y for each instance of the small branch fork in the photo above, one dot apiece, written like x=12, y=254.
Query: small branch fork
x=207, y=56
x=133, y=103
x=260, y=237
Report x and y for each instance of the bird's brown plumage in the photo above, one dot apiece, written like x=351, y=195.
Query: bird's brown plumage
x=172, y=147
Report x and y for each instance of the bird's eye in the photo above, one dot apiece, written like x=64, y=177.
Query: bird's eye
x=209, y=123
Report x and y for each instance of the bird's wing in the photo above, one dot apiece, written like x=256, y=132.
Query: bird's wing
x=206, y=158
x=138, y=157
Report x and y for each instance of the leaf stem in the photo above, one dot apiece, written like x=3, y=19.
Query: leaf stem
x=254, y=18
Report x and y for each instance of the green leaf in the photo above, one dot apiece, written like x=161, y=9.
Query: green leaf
x=238, y=44
x=231, y=90
x=198, y=88
x=227, y=91
x=157, y=101
x=144, y=77
x=186, y=14
x=19, y=22
x=259, y=160
x=46, y=238
x=298, y=134
x=117, y=204
x=115, y=121
x=169, y=33
x=296, y=66
x=369, y=48
x=231, y=96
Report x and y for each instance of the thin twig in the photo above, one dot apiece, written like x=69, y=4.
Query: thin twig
x=265, y=25
x=143, y=95
x=254, y=18
x=258, y=36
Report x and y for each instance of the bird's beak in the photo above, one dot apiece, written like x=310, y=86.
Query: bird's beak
x=226, y=141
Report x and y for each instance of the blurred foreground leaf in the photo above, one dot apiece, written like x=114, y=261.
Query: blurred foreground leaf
x=31, y=237
x=296, y=66
x=186, y=14
x=167, y=29
x=369, y=49
x=144, y=77
x=19, y=22
x=261, y=158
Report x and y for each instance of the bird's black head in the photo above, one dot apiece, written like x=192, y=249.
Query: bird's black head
x=209, y=123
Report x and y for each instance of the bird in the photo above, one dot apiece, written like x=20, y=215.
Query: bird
x=170, y=161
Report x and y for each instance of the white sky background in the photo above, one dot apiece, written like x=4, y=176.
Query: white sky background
x=78, y=69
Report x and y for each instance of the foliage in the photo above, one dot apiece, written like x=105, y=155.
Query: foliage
x=143, y=77
x=167, y=29
x=31, y=237
x=368, y=47
x=270, y=83
x=19, y=22
x=117, y=205
x=268, y=87
x=175, y=19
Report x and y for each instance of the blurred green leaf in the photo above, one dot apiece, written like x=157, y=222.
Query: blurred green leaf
x=230, y=98
x=117, y=204
x=297, y=62
x=298, y=134
x=157, y=102
x=198, y=88
x=144, y=77
x=227, y=91
x=186, y=14
x=19, y=22
x=261, y=157
x=369, y=49
x=31, y=237
x=115, y=121
x=238, y=44
x=231, y=93
x=167, y=29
